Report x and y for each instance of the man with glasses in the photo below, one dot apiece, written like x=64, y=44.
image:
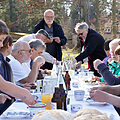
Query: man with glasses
x=21, y=53
x=57, y=36
x=37, y=48
x=93, y=44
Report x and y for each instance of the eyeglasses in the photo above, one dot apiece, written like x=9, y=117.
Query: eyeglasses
x=51, y=17
x=27, y=50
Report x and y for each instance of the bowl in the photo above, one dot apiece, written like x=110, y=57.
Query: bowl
x=36, y=108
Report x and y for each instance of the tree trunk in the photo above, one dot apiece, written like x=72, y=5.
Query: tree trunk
x=114, y=18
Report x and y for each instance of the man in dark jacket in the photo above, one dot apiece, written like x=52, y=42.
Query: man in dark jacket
x=57, y=36
x=93, y=44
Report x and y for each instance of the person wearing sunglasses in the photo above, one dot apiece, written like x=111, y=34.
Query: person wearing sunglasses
x=57, y=36
x=92, y=46
x=21, y=53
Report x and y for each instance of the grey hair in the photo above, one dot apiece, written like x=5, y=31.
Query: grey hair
x=82, y=25
x=19, y=45
x=114, y=42
x=48, y=10
x=35, y=43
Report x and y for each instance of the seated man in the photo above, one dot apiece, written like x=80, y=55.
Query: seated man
x=37, y=48
x=41, y=35
x=21, y=53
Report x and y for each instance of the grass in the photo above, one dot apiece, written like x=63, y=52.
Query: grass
x=70, y=52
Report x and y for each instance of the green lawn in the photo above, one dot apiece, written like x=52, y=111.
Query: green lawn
x=69, y=51
x=74, y=54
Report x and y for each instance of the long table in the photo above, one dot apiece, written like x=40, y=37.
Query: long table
x=104, y=108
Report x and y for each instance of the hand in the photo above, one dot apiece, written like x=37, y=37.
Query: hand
x=28, y=85
x=98, y=95
x=74, y=61
x=102, y=88
x=3, y=98
x=49, y=40
x=57, y=39
x=96, y=63
x=78, y=65
x=28, y=99
x=39, y=61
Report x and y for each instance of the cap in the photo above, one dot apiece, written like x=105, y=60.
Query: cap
x=44, y=32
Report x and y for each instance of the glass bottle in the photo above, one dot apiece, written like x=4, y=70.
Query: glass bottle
x=67, y=79
x=57, y=99
x=54, y=69
x=63, y=95
x=60, y=78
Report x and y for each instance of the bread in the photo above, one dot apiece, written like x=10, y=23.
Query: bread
x=53, y=115
x=91, y=114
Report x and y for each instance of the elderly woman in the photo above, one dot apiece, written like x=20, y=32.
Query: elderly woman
x=111, y=77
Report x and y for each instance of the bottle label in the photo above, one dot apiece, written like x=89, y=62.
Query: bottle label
x=53, y=105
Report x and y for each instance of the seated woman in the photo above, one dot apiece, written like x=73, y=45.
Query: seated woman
x=107, y=50
x=111, y=73
x=5, y=70
x=9, y=87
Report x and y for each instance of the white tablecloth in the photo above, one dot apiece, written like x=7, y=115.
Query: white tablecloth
x=16, y=107
x=106, y=108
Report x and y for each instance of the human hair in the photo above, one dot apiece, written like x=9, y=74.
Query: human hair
x=35, y=43
x=19, y=45
x=106, y=44
x=3, y=28
x=44, y=32
x=117, y=50
x=83, y=25
x=7, y=40
x=48, y=10
x=114, y=42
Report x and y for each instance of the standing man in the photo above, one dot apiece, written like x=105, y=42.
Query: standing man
x=93, y=44
x=57, y=36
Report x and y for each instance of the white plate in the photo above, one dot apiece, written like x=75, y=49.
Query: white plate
x=92, y=102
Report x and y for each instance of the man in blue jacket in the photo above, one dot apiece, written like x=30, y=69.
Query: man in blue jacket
x=92, y=44
x=57, y=36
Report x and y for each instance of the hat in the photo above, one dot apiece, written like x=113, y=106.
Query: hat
x=44, y=32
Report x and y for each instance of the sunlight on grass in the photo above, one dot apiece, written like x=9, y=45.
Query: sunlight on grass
x=74, y=54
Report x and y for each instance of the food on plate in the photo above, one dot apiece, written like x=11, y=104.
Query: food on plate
x=33, y=86
x=53, y=115
x=94, y=80
x=92, y=102
x=48, y=72
x=90, y=114
x=37, y=105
